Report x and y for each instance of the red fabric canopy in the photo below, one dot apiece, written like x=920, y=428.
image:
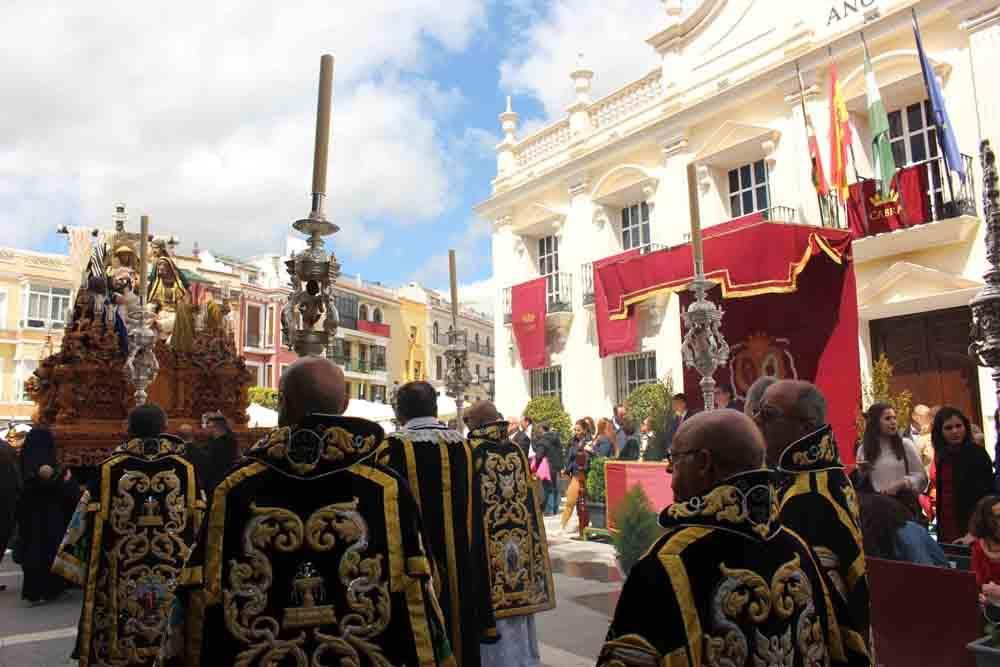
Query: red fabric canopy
x=785, y=314
x=613, y=336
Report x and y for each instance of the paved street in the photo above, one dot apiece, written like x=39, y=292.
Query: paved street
x=570, y=635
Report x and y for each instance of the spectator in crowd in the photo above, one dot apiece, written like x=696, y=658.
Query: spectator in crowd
x=892, y=461
x=679, y=404
x=221, y=451
x=755, y=393
x=726, y=398
x=10, y=491
x=576, y=471
x=591, y=426
x=985, y=527
x=963, y=474
x=541, y=465
x=630, y=448
x=46, y=504
x=522, y=438
x=651, y=448
x=603, y=444
x=920, y=434
x=556, y=456
x=618, y=422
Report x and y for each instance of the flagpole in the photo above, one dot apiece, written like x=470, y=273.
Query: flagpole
x=805, y=125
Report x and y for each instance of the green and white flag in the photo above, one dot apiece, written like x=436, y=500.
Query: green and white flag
x=878, y=122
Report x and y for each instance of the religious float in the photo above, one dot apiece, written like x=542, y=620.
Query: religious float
x=136, y=335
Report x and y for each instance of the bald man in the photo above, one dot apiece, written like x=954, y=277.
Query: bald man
x=726, y=584
x=302, y=524
x=515, y=533
x=818, y=503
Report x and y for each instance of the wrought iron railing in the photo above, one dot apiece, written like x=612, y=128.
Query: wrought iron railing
x=508, y=313
x=587, y=283
x=559, y=292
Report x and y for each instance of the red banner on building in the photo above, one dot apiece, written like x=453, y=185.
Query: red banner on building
x=527, y=303
x=613, y=336
x=908, y=205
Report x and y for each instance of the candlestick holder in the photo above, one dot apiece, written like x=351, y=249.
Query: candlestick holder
x=985, y=333
x=141, y=366
x=704, y=348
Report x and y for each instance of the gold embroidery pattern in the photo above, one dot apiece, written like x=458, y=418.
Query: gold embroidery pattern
x=333, y=445
x=755, y=506
x=157, y=448
x=519, y=568
x=629, y=651
x=135, y=590
x=744, y=597
x=824, y=451
x=309, y=632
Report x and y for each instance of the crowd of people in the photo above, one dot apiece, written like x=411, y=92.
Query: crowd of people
x=329, y=539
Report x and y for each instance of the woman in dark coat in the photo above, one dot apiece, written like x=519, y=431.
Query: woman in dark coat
x=963, y=474
x=44, y=510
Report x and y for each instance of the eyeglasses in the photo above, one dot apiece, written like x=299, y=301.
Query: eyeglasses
x=671, y=455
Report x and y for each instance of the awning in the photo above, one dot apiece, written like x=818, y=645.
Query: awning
x=746, y=257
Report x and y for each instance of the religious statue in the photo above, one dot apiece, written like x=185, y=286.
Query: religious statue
x=168, y=297
x=122, y=304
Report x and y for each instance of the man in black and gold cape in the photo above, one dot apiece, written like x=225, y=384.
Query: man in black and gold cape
x=437, y=463
x=818, y=502
x=517, y=551
x=312, y=553
x=726, y=584
x=127, y=543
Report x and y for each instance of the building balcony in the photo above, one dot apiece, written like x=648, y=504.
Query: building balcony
x=558, y=299
x=374, y=328
x=360, y=366
x=950, y=217
x=587, y=273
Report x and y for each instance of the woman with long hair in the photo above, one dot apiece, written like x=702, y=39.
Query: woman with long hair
x=604, y=440
x=44, y=511
x=577, y=461
x=963, y=474
x=895, y=466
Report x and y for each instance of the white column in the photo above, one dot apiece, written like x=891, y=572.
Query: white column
x=984, y=45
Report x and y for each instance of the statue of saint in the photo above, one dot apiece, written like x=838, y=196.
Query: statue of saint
x=165, y=294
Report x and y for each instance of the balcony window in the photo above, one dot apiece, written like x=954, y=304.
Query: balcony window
x=632, y=372
x=347, y=306
x=438, y=368
x=914, y=139
x=24, y=370
x=418, y=371
x=252, y=326
x=488, y=349
x=269, y=327
x=635, y=226
x=378, y=358
x=362, y=391
x=363, y=312
x=45, y=307
x=436, y=333
x=547, y=382
x=378, y=393
x=377, y=319
x=748, y=189
x=268, y=374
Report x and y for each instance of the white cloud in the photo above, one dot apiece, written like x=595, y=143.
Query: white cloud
x=468, y=256
x=610, y=33
x=478, y=295
x=201, y=114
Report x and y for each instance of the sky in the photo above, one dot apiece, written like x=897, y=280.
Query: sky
x=201, y=115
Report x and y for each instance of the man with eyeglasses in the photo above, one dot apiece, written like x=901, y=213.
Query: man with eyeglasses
x=818, y=503
x=726, y=584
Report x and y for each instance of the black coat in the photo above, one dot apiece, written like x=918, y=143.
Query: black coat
x=973, y=478
x=630, y=450
x=553, y=451
x=10, y=491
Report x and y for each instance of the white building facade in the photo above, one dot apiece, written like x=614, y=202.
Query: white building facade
x=719, y=126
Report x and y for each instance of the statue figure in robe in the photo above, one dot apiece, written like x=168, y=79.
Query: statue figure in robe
x=167, y=294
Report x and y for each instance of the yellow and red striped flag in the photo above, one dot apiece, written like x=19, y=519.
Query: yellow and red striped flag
x=840, y=136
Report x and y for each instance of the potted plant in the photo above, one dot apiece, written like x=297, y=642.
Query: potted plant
x=596, y=493
x=653, y=401
x=987, y=649
x=638, y=528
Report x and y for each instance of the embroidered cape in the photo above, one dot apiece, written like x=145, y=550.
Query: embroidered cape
x=725, y=585
x=437, y=465
x=313, y=554
x=516, y=547
x=818, y=503
x=126, y=546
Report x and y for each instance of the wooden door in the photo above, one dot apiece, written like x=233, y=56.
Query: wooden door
x=930, y=355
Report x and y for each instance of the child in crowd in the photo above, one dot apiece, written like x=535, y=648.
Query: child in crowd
x=985, y=527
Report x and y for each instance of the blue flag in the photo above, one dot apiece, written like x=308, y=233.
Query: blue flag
x=945, y=135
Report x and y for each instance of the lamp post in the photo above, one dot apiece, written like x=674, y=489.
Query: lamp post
x=704, y=347
x=985, y=333
x=313, y=272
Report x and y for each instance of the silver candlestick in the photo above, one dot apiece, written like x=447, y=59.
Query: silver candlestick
x=985, y=334
x=141, y=365
x=309, y=319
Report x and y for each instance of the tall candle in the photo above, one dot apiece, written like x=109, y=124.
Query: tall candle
x=143, y=270
x=453, y=277
x=322, y=124
x=693, y=202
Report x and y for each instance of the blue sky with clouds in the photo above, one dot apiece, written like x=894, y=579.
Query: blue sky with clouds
x=201, y=115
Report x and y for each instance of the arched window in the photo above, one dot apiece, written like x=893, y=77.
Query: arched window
x=477, y=342
x=377, y=315
x=437, y=334
x=363, y=312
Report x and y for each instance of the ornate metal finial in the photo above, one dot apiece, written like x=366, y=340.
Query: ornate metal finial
x=310, y=319
x=141, y=365
x=985, y=334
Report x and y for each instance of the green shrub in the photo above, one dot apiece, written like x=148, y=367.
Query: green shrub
x=652, y=400
x=549, y=409
x=595, y=480
x=637, y=528
x=264, y=396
